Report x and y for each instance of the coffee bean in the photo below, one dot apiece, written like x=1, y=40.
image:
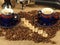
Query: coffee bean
x=20, y=32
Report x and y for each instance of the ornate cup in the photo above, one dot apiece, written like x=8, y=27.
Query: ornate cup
x=47, y=17
x=8, y=19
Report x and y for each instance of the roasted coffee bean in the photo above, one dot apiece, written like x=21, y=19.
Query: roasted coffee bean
x=20, y=32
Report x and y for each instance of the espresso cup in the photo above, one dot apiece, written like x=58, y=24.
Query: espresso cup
x=47, y=17
x=47, y=12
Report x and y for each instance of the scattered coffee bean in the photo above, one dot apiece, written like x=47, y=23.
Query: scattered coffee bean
x=20, y=32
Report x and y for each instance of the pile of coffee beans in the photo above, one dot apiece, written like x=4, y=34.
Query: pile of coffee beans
x=20, y=32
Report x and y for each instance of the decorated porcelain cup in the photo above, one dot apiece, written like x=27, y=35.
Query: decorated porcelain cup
x=47, y=17
x=8, y=18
